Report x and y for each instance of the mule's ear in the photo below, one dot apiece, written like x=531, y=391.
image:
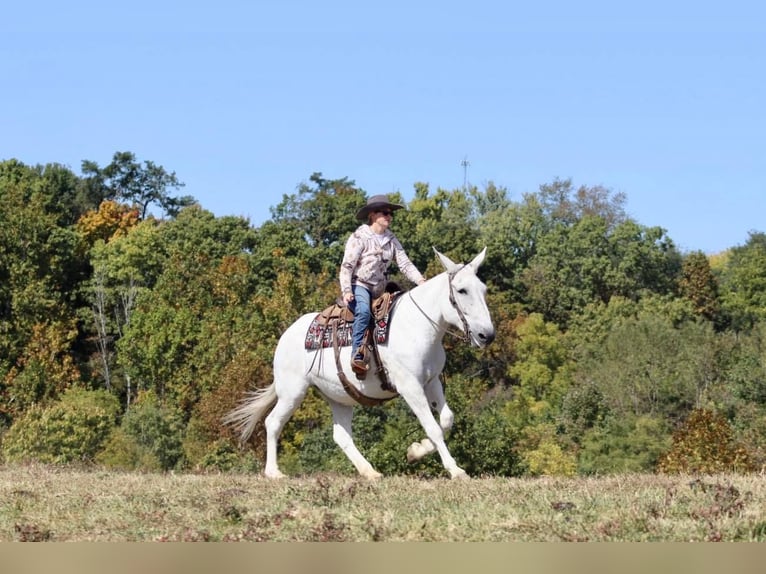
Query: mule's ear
x=446, y=261
x=478, y=260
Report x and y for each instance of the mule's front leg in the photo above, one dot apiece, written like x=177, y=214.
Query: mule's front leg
x=437, y=401
x=418, y=402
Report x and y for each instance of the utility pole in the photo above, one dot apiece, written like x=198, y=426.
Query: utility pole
x=465, y=163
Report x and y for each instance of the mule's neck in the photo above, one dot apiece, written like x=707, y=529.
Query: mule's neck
x=427, y=301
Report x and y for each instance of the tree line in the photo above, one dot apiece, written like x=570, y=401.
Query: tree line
x=132, y=320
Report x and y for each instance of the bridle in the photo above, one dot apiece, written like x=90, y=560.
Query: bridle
x=465, y=336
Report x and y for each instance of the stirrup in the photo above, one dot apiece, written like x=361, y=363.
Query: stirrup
x=359, y=366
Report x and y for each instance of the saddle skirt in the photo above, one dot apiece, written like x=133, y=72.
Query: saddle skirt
x=337, y=321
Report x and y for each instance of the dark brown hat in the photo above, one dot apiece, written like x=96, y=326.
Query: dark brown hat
x=376, y=203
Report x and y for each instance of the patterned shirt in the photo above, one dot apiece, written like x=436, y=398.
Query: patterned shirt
x=367, y=258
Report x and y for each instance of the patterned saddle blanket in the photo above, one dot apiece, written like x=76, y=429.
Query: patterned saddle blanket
x=338, y=321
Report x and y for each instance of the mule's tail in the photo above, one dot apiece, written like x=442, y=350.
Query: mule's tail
x=251, y=410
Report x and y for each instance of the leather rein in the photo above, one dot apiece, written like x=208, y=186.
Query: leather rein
x=364, y=400
x=465, y=336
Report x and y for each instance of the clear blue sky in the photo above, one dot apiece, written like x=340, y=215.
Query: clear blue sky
x=244, y=100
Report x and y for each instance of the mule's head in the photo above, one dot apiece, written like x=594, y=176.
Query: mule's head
x=468, y=306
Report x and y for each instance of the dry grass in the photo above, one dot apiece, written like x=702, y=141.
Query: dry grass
x=39, y=503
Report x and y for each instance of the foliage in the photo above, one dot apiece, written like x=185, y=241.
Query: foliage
x=549, y=459
x=606, y=336
x=644, y=365
x=150, y=437
x=41, y=265
x=625, y=444
x=705, y=444
x=111, y=220
x=44, y=370
x=743, y=282
x=125, y=179
x=700, y=286
x=483, y=438
x=73, y=429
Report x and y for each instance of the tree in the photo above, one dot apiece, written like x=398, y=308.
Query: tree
x=645, y=365
x=699, y=285
x=511, y=233
x=125, y=179
x=322, y=214
x=743, y=282
x=587, y=262
x=125, y=266
x=445, y=220
x=109, y=220
x=41, y=268
x=204, y=269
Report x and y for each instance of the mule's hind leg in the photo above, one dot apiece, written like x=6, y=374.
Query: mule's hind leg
x=437, y=401
x=341, y=434
x=289, y=398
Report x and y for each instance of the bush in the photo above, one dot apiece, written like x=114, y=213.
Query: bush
x=484, y=443
x=74, y=429
x=549, y=459
x=204, y=453
x=705, y=444
x=149, y=438
x=632, y=444
x=222, y=456
x=122, y=452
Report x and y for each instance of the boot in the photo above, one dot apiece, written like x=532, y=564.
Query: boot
x=358, y=365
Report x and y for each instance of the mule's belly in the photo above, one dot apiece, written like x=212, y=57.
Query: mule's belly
x=323, y=374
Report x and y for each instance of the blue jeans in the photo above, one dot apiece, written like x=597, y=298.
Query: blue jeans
x=362, y=315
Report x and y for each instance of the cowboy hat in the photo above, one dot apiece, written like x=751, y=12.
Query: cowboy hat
x=376, y=203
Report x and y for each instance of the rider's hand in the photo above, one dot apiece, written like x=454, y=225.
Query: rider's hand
x=348, y=296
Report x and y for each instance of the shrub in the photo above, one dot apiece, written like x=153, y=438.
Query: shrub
x=705, y=444
x=73, y=429
x=149, y=438
x=122, y=452
x=632, y=444
x=222, y=456
x=549, y=459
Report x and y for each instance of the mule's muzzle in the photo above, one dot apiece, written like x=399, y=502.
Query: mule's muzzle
x=484, y=338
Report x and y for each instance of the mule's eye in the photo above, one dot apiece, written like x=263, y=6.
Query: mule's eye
x=462, y=291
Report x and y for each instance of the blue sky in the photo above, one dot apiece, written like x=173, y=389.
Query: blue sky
x=661, y=100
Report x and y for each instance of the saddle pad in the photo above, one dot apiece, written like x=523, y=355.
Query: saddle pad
x=319, y=336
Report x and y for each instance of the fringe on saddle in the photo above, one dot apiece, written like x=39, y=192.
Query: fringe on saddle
x=332, y=327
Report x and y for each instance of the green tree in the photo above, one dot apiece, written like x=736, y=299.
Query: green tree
x=645, y=365
x=125, y=179
x=743, y=282
x=150, y=437
x=321, y=213
x=41, y=270
x=511, y=233
x=124, y=267
x=444, y=220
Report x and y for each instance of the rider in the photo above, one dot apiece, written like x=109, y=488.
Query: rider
x=368, y=254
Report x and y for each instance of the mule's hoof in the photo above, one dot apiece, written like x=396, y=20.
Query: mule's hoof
x=460, y=474
x=374, y=475
x=415, y=452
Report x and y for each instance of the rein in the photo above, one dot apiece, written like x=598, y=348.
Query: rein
x=465, y=336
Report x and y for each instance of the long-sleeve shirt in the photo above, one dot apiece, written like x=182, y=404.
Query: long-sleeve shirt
x=367, y=257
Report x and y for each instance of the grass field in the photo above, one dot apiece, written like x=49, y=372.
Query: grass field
x=39, y=503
